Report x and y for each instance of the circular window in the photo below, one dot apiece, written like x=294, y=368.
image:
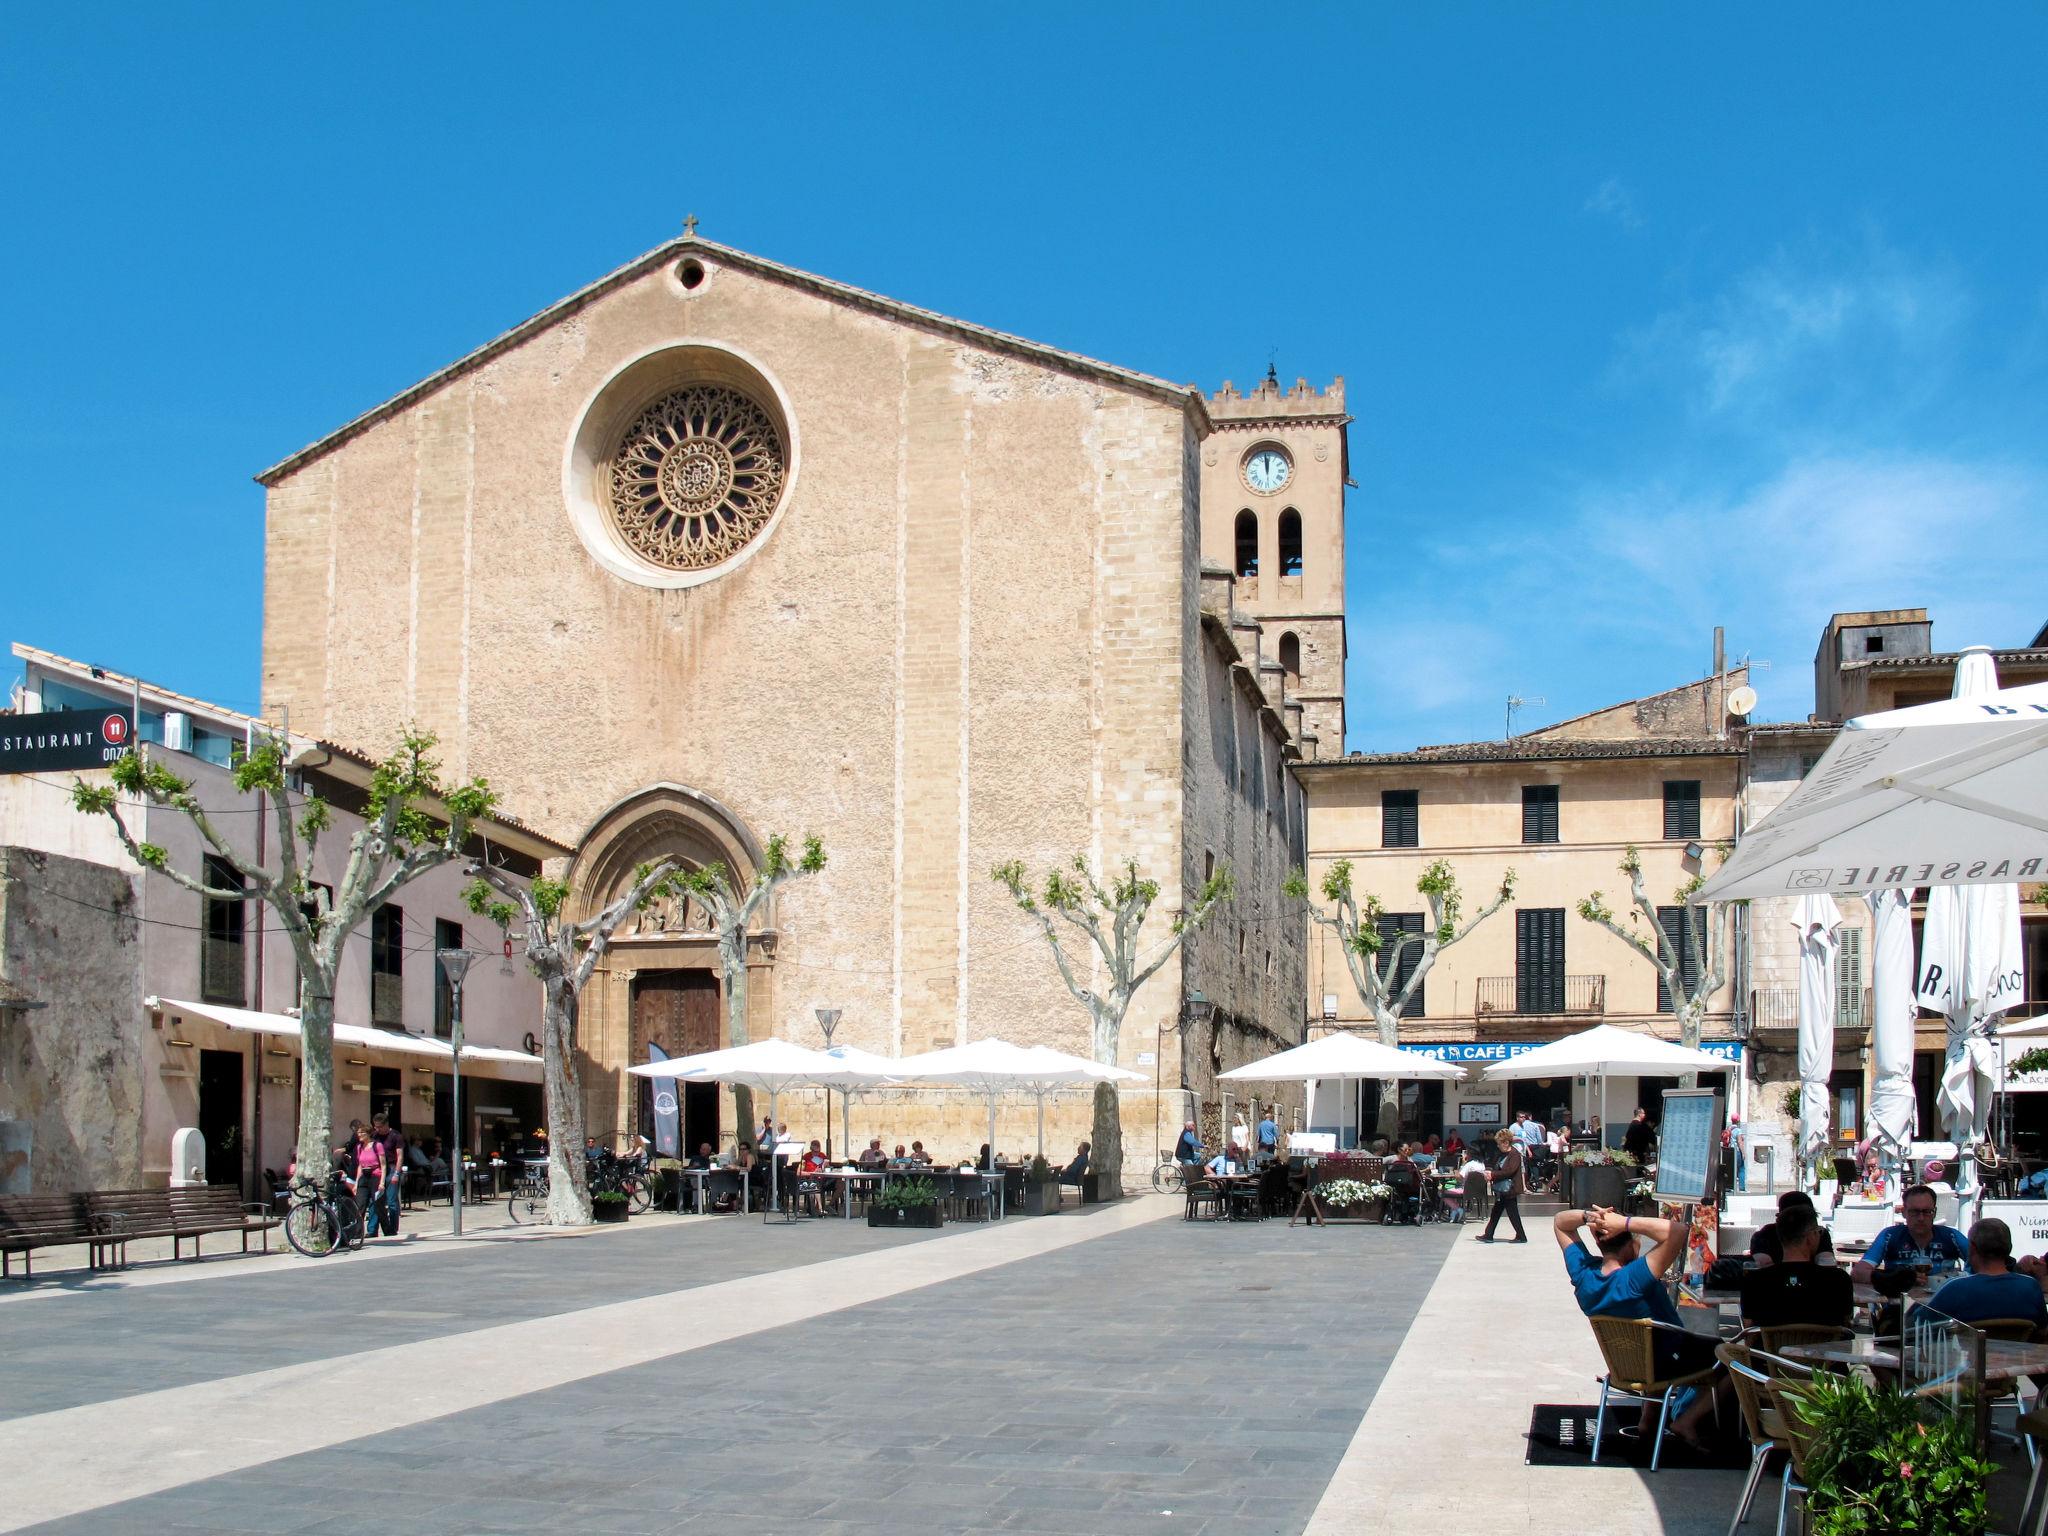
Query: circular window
x=696, y=478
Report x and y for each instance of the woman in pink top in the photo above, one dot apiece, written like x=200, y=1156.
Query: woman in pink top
x=369, y=1162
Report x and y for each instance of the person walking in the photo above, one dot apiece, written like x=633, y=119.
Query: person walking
x=1736, y=1140
x=392, y=1145
x=1509, y=1185
x=369, y=1179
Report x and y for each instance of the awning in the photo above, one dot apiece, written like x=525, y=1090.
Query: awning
x=514, y=1065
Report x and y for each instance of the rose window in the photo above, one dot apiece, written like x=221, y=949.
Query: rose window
x=696, y=477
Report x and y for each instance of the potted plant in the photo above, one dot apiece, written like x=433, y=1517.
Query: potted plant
x=1041, y=1189
x=1880, y=1461
x=609, y=1205
x=1600, y=1176
x=907, y=1203
x=1641, y=1198
x=1353, y=1198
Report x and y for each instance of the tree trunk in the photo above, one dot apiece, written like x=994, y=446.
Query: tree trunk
x=316, y=1083
x=1106, y=1154
x=732, y=959
x=1390, y=1088
x=1690, y=1018
x=568, y=1185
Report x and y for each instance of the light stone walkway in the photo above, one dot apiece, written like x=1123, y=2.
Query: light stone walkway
x=1443, y=1445
x=152, y=1441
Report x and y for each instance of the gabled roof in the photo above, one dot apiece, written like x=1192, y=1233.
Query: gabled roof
x=1187, y=396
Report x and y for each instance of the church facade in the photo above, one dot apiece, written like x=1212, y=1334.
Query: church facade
x=715, y=549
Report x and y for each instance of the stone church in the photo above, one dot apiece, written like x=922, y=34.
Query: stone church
x=716, y=549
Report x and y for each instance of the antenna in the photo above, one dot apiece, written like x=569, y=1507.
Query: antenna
x=1515, y=702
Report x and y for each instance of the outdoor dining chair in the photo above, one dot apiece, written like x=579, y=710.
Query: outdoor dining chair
x=1205, y=1201
x=1798, y=1441
x=1759, y=1422
x=1627, y=1344
x=2034, y=1425
x=1775, y=1341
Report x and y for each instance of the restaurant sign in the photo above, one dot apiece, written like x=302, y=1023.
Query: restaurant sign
x=64, y=738
x=1505, y=1050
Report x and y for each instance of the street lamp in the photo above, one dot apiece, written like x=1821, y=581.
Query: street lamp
x=455, y=965
x=1194, y=1009
x=828, y=1020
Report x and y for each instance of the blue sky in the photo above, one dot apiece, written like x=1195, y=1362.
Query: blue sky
x=1652, y=317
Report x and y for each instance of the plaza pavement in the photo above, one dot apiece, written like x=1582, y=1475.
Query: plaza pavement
x=1101, y=1371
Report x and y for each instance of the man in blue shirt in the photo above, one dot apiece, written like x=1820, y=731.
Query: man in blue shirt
x=1626, y=1282
x=1189, y=1148
x=1992, y=1289
x=1269, y=1138
x=1915, y=1243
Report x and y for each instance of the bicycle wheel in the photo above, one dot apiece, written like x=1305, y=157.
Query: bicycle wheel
x=639, y=1194
x=529, y=1203
x=348, y=1221
x=1167, y=1178
x=309, y=1226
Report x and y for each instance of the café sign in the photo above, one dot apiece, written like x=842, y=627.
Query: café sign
x=64, y=738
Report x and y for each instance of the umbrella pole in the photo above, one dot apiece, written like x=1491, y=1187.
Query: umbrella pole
x=1041, y=1123
x=774, y=1159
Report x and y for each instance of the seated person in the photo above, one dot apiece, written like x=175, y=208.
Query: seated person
x=1453, y=1154
x=1915, y=1243
x=1071, y=1174
x=1764, y=1246
x=872, y=1155
x=1223, y=1164
x=985, y=1159
x=1424, y=1156
x=702, y=1158
x=814, y=1159
x=919, y=1156
x=1992, y=1289
x=1793, y=1288
x=1189, y=1148
x=1626, y=1282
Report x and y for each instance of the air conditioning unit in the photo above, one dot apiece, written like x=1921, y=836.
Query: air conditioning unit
x=177, y=732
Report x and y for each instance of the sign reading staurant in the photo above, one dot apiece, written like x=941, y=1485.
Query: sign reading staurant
x=64, y=738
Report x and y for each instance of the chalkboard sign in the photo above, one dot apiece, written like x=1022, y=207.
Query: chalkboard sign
x=1689, y=1145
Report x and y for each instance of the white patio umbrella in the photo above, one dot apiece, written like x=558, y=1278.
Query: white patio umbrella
x=1343, y=1056
x=1894, y=1107
x=992, y=1067
x=1949, y=793
x=1971, y=964
x=1603, y=1050
x=773, y=1067
x=856, y=1070
x=1815, y=920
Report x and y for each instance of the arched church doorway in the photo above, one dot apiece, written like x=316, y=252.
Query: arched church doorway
x=679, y=1012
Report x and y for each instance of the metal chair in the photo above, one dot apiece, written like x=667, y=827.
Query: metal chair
x=1759, y=1422
x=1627, y=1344
x=2034, y=1426
x=1202, y=1197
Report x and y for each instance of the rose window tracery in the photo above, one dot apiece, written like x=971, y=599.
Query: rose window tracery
x=696, y=477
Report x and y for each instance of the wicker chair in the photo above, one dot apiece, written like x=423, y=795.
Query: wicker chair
x=1775, y=1341
x=1759, y=1422
x=1626, y=1344
x=1798, y=1443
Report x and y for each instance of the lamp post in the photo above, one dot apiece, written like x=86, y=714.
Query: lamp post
x=828, y=1020
x=455, y=965
x=1194, y=1009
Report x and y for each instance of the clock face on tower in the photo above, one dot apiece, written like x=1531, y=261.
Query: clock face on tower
x=1267, y=469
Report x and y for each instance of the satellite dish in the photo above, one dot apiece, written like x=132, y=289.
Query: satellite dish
x=1741, y=701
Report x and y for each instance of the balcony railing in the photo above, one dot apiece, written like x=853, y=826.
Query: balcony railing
x=387, y=998
x=221, y=971
x=1546, y=997
x=1778, y=1008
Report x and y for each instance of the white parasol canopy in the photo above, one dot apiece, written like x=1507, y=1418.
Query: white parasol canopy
x=1894, y=1107
x=992, y=1067
x=1609, y=1050
x=1815, y=920
x=1343, y=1055
x=1949, y=793
x=772, y=1067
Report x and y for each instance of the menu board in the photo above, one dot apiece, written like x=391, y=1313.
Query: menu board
x=1689, y=1145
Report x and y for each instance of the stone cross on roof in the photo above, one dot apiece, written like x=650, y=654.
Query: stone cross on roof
x=690, y=227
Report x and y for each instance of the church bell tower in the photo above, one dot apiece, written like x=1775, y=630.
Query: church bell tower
x=1274, y=473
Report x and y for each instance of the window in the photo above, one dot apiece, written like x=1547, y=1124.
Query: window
x=1539, y=960
x=447, y=935
x=1393, y=925
x=1539, y=813
x=1290, y=659
x=1683, y=938
x=1873, y=645
x=387, y=965
x=222, y=974
x=1400, y=818
x=1247, y=543
x=1681, y=809
x=1290, y=543
x=1848, y=978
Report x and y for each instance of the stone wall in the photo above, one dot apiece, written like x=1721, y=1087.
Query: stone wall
x=75, y=1071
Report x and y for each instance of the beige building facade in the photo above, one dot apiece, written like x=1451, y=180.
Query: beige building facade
x=714, y=550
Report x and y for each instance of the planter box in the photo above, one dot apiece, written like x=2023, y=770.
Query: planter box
x=1600, y=1184
x=906, y=1216
x=1041, y=1199
x=612, y=1211
x=1088, y=1194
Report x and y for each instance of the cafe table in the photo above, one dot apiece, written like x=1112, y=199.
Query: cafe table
x=2005, y=1360
x=703, y=1176
x=847, y=1178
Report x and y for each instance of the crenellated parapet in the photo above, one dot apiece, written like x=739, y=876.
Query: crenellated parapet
x=1268, y=402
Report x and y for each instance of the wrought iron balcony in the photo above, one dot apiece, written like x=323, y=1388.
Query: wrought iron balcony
x=222, y=975
x=1542, y=996
x=387, y=998
x=1778, y=1008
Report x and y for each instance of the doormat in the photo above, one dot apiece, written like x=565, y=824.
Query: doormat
x=1561, y=1435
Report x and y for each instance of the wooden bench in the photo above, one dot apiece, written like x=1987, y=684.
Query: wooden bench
x=191, y=1213
x=29, y=1222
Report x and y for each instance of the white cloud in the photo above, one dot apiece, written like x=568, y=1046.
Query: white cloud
x=1614, y=200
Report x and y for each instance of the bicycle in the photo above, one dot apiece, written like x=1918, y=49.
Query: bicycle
x=628, y=1176
x=1169, y=1177
x=528, y=1202
x=319, y=1221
